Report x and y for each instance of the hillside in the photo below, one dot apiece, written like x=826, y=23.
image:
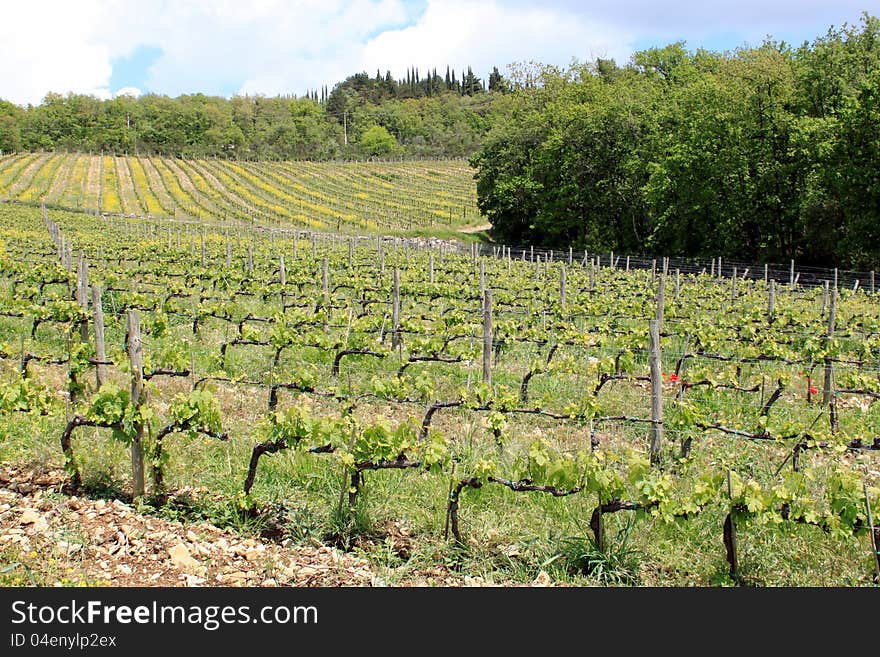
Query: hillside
x=351, y=197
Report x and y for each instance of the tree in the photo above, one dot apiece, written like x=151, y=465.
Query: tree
x=497, y=82
x=11, y=118
x=376, y=140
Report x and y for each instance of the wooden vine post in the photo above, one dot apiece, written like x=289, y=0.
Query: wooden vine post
x=661, y=301
x=395, y=309
x=828, y=392
x=730, y=533
x=325, y=283
x=100, y=345
x=599, y=529
x=656, y=392
x=825, y=298
x=487, y=337
x=82, y=293
x=282, y=278
x=562, y=288
x=138, y=397
x=875, y=548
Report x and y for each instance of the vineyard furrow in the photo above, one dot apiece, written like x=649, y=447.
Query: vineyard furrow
x=110, y=186
x=74, y=191
x=25, y=175
x=157, y=185
x=148, y=200
x=180, y=188
x=61, y=180
x=42, y=180
x=128, y=195
x=233, y=204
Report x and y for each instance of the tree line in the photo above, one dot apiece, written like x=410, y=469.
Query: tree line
x=429, y=115
x=764, y=153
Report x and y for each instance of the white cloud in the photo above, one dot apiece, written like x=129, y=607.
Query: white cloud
x=268, y=47
x=134, y=92
x=485, y=34
x=44, y=51
x=286, y=46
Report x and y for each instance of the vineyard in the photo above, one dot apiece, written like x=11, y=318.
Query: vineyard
x=593, y=416
x=352, y=197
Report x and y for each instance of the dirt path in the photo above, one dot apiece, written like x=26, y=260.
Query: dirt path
x=469, y=230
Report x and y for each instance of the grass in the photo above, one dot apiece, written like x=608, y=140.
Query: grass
x=509, y=537
x=399, y=521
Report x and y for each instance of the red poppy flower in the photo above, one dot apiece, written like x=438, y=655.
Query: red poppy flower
x=814, y=390
x=673, y=378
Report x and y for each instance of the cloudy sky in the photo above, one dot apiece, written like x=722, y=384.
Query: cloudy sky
x=270, y=47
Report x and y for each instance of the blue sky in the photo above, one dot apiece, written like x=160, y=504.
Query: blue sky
x=270, y=47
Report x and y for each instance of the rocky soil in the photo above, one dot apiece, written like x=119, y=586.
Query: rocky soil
x=63, y=539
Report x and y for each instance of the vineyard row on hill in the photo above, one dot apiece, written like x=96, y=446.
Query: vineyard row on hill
x=344, y=197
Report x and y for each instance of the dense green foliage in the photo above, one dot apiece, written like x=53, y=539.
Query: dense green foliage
x=764, y=153
x=431, y=116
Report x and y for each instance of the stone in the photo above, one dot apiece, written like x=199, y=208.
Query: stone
x=543, y=579
x=181, y=558
x=29, y=517
x=193, y=580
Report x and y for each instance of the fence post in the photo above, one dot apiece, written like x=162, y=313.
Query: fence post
x=325, y=283
x=82, y=293
x=487, y=337
x=875, y=548
x=135, y=357
x=828, y=397
x=656, y=392
x=730, y=534
x=562, y=287
x=661, y=301
x=395, y=309
x=100, y=345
